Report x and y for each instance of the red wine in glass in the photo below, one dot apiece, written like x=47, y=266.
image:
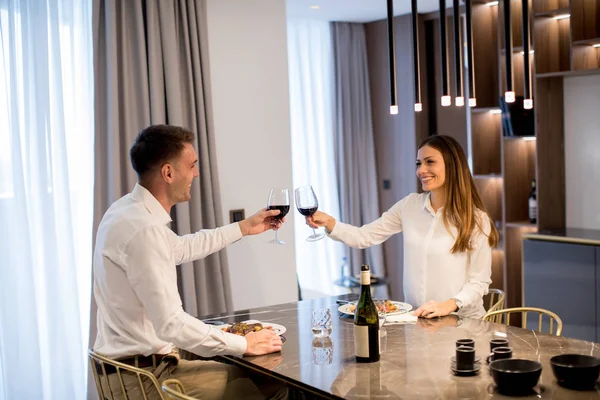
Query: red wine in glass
x=283, y=211
x=307, y=205
x=307, y=211
x=279, y=199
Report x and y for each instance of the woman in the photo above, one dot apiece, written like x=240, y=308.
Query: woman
x=448, y=234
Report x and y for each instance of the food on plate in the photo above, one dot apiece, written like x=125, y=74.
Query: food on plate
x=389, y=307
x=243, y=328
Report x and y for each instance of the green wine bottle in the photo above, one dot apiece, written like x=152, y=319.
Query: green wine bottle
x=366, y=322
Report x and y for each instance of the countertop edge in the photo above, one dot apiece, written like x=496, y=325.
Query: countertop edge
x=564, y=239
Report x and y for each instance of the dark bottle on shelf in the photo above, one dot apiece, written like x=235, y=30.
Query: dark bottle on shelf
x=533, y=205
x=366, y=322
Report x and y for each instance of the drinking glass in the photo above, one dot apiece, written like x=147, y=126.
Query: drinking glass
x=279, y=199
x=307, y=205
x=381, y=312
x=321, y=322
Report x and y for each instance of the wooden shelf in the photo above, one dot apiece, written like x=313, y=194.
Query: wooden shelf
x=478, y=110
x=552, y=13
x=525, y=138
x=552, y=44
x=516, y=50
x=521, y=224
x=586, y=56
x=541, y=6
x=585, y=23
x=580, y=72
x=587, y=42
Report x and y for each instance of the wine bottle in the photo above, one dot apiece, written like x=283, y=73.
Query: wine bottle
x=533, y=203
x=366, y=322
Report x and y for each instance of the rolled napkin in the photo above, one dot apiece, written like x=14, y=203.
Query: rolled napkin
x=403, y=318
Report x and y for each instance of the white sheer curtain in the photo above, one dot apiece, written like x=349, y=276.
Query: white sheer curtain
x=310, y=58
x=46, y=182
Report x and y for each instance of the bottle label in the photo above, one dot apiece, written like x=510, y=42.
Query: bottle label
x=532, y=209
x=365, y=277
x=361, y=341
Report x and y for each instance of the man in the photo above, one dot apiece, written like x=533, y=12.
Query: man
x=141, y=321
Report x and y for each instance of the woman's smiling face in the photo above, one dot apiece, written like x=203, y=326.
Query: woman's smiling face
x=431, y=169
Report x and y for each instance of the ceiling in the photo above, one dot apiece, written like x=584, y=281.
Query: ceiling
x=355, y=10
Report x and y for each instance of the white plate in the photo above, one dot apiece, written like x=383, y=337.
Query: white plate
x=279, y=329
x=402, y=308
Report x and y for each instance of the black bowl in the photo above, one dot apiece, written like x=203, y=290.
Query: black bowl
x=514, y=376
x=576, y=371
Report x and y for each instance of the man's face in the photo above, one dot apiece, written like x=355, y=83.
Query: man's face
x=185, y=170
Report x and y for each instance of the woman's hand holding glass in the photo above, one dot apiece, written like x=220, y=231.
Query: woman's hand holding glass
x=319, y=219
x=307, y=204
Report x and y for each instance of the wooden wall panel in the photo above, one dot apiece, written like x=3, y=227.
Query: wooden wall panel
x=550, y=153
x=485, y=143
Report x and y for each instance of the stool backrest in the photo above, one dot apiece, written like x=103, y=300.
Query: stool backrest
x=106, y=391
x=495, y=300
x=499, y=315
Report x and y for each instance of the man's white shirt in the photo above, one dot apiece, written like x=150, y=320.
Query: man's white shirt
x=135, y=282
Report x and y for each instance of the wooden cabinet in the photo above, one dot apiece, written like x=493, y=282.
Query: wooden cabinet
x=563, y=35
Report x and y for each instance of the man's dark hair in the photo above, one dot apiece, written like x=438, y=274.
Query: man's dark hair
x=156, y=145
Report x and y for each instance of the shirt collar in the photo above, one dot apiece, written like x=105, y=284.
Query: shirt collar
x=152, y=205
x=427, y=204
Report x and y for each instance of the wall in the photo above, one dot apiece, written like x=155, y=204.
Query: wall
x=250, y=102
x=582, y=157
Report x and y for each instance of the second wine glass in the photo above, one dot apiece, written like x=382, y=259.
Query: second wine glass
x=307, y=204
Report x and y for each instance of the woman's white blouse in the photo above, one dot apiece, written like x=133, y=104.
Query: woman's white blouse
x=431, y=271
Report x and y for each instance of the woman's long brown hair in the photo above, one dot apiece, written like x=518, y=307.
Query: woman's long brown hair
x=462, y=196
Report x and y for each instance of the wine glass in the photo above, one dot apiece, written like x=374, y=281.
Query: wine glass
x=307, y=204
x=279, y=199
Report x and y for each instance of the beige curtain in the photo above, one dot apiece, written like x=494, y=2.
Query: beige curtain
x=355, y=146
x=149, y=69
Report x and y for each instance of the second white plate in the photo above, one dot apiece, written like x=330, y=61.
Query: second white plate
x=402, y=308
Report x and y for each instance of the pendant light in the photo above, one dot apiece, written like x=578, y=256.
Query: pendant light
x=509, y=95
x=446, y=100
x=528, y=102
x=392, y=58
x=416, y=64
x=470, y=66
x=459, y=100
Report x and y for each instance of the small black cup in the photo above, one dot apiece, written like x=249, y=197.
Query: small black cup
x=465, y=358
x=498, y=343
x=501, y=353
x=465, y=342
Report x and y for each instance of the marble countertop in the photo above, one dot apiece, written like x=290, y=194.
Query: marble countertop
x=568, y=235
x=415, y=362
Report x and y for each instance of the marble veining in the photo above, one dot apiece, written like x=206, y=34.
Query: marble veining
x=415, y=359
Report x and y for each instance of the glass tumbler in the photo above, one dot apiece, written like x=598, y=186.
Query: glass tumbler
x=321, y=322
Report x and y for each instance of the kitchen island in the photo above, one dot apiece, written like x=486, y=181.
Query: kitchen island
x=415, y=362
